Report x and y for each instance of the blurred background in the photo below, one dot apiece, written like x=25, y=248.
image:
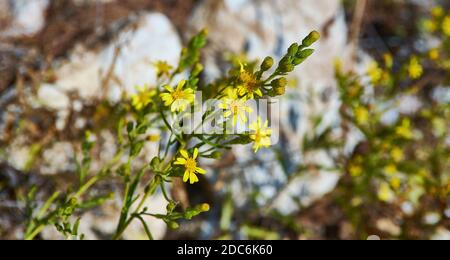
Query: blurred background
x=364, y=149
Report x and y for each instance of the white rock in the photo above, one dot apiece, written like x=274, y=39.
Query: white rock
x=52, y=97
x=387, y=225
x=28, y=17
x=18, y=155
x=58, y=159
x=153, y=39
x=442, y=233
x=431, y=218
x=409, y=104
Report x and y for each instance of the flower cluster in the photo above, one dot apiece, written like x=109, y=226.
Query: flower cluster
x=154, y=109
x=402, y=161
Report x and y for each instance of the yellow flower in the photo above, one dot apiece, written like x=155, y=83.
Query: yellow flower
x=248, y=84
x=388, y=60
x=397, y=154
x=446, y=25
x=404, y=130
x=390, y=169
x=433, y=54
x=355, y=170
x=375, y=72
x=437, y=11
x=440, y=126
x=142, y=98
x=162, y=68
x=190, y=165
x=395, y=183
x=430, y=25
x=235, y=107
x=204, y=207
x=415, y=70
x=154, y=138
x=260, y=134
x=385, y=193
x=178, y=98
x=447, y=188
x=361, y=115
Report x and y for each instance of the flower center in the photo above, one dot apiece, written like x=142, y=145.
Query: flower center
x=143, y=98
x=191, y=165
x=178, y=94
x=248, y=81
x=258, y=137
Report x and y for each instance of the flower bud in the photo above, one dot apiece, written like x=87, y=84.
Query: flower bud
x=216, y=155
x=293, y=49
x=204, y=207
x=204, y=32
x=304, y=54
x=280, y=82
x=311, y=39
x=279, y=91
x=297, y=61
x=172, y=225
x=198, y=68
x=171, y=206
x=287, y=67
x=155, y=162
x=73, y=202
x=278, y=87
x=267, y=64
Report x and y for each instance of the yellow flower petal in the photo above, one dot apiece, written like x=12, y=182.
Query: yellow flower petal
x=186, y=176
x=200, y=170
x=184, y=153
x=259, y=92
x=195, y=153
x=169, y=88
x=180, y=161
x=193, y=178
x=181, y=84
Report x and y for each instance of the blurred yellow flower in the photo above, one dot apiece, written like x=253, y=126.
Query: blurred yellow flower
x=162, y=68
x=440, y=126
x=388, y=60
x=178, y=98
x=385, y=193
x=260, y=134
x=390, y=169
x=437, y=11
x=404, y=130
x=355, y=170
x=142, y=97
x=375, y=72
x=190, y=165
x=235, y=107
x=248, y=85
x=205, y=207
x=433, y=54
x=415, y=69
x=397, y=154
x=430, y=25
x=446, y=25
x=447, y=188
x=395, y=183
x=154, y=138
x=361, y=115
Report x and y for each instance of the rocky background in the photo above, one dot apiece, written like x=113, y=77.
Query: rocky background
x=59, y=60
